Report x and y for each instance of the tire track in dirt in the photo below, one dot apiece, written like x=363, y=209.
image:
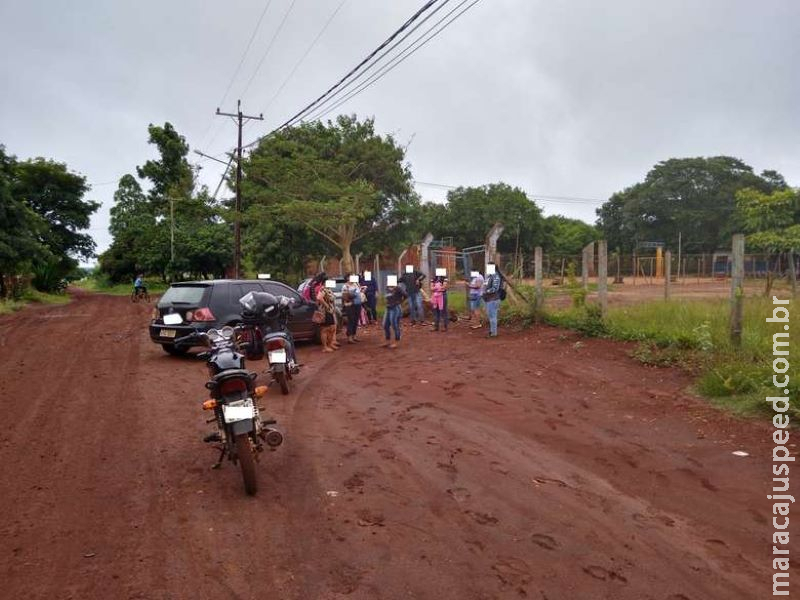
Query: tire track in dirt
x=454, y=467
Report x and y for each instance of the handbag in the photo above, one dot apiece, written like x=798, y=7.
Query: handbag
x=318, y=317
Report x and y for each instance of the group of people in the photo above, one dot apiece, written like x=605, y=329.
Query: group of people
x=360, y=295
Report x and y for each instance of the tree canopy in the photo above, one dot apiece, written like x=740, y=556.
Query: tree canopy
x=470, y=212
x=340, y=180
x=42, y=215
x=567, y=237
x=772, y=221
x=692, y=196
x=143, y=223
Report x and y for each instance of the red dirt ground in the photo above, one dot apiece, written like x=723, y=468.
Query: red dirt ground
x=455, y=467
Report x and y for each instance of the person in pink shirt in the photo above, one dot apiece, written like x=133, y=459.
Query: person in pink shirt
x=438, y=303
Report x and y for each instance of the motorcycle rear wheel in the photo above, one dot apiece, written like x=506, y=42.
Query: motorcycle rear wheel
x=283, y=381
x=244, y=454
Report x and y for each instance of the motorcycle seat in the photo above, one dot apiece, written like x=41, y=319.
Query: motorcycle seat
x=232, y=374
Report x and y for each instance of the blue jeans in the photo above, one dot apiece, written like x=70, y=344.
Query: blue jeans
x=492, y=308
x=415, y=310
x=391, y=319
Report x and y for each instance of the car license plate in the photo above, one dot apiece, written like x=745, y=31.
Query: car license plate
x=237, y=413
x=168, y=333
x=172, y=319
x=277, y=356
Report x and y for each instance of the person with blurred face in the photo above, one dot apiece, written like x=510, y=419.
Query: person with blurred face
x=351, y=300
x=475, y=285
x=326, y=302
x=395, y=294
x=439, y=302
x=412, y=280
x=491, y=297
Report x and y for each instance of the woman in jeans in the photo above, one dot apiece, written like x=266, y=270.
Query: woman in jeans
x=351, y=299
x=391, y=319
x=326, y=302
x=439, y=302
x=491, y=297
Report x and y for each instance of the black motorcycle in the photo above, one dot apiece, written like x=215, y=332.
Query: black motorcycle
x=241, y=434
x=267, y=316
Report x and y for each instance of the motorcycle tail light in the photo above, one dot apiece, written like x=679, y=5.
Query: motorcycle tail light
x=261, y=391
x=232, y=386
x=209, y=404
x=201, y=314
x=276, y=344
x=189, y=315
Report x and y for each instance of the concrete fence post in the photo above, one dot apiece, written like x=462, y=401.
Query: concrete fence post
x=537, y=271
x=602, y=276
x=737, y=288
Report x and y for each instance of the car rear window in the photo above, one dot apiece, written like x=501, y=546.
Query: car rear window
x=183, y=294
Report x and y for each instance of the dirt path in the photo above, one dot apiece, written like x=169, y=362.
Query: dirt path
x=532, y=466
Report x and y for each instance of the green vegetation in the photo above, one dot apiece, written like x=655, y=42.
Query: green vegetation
x=103, y=285
x=694, y=335
x=31, y=296
x=335, y=184
x=42, y=214
x=172, y=230
x=693, y=196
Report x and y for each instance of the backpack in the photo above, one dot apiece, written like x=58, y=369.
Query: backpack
x=502, y=292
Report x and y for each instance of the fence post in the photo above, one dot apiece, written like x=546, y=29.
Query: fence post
x=602, y=276
x=491, y=243
x=792, y=272
x=424, y=259
x=537, y=270
x=667, y=274
x=737, y=289
x=586, y=262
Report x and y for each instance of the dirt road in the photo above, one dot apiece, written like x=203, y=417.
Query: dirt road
x=531, y=466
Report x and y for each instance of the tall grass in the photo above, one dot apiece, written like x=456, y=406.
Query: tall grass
x=695, y=334
x=31, y=295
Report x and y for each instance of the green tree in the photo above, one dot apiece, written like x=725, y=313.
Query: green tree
x=341, y=180
x=171, y=174
x=772, y=221
x=20, y=228
x=471, y=212
x=569, y=236
x=170, y=219
x=56, y=195
x=692, y=196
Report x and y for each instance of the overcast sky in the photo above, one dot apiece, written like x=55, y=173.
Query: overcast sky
x=573, y=98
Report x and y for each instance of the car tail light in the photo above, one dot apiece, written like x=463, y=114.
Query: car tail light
x=201, y=314
x=231, y=386
x=276, y=344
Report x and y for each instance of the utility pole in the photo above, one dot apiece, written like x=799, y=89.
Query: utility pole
x=237, y=233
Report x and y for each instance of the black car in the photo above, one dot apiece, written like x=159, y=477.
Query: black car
x=203, y=305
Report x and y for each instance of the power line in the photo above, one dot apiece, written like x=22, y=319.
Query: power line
x=305, y=54
x=238, y=68
x=399, y=59
x=269, y=47
x=378, y=59
x=244, y=54
x=360, y=65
